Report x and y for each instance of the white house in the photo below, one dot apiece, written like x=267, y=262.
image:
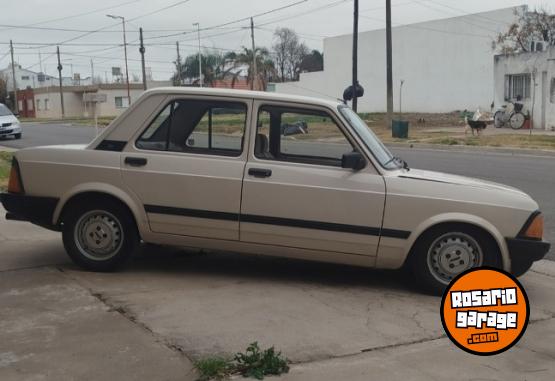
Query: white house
x=446, y=65
x=531, y=76
x=26, y=78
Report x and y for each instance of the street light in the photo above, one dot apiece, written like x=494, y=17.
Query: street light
x=125, y=53
x=199, y=56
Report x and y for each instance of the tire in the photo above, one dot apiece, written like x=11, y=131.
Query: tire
x=443, y=252
x=498, y=119
x=516, y=121
x=17, y=136
x=100, y=236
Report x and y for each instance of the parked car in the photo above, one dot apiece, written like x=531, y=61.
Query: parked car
x=9, y=124
x=212, y=168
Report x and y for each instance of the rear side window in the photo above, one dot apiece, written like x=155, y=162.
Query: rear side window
x=197, y=127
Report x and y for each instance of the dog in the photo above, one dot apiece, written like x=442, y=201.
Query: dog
x=474, y=124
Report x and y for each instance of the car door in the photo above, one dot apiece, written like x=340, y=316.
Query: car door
x=295, y=192
x=187, y=166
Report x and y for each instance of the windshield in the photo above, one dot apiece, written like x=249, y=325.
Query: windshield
x=4, y=110
x=380, y=152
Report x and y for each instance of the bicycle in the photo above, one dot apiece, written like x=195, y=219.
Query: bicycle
x=510, y=114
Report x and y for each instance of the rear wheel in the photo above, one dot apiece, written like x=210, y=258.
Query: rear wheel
x=100, y=236
x=516, y=120
x=444, y=252
x=498, y=119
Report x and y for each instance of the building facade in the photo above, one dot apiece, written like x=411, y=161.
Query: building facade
x=531, y=77
x=446, y=65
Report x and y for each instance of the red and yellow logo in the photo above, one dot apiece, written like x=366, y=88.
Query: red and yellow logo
x=485, y=311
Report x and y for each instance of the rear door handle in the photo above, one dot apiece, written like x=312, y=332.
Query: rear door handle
x=136, y=161
x=260, y=172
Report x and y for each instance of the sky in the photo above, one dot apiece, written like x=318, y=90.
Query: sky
x=85, y=33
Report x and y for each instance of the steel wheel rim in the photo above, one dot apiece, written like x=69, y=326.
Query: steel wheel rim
x=517, y=121
x=451, y=254
x=98, y=235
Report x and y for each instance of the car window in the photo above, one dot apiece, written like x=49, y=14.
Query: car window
x=197, y=126
x=299, y=135
x=4, y=111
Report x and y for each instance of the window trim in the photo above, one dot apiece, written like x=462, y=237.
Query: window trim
x=302, y=159
x=193, y=150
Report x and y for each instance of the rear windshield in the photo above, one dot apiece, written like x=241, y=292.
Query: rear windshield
x=4, y=110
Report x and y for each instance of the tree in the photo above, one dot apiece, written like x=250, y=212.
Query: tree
x=265, y=66
x=214, y=66
x=312, y=62
x=289, y=53
x=3, y=89
x=538, y=25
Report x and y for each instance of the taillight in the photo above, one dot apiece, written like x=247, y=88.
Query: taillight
x=15, y=185
x=535, y=228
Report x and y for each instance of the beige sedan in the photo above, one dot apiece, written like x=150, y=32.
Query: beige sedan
x=269, y=174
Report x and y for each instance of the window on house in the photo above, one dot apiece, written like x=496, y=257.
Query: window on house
x=206, y=127
x=30, y=104
x=38, y=105
x=517, y=85
x=552, y=91
x=46, y=104
x=121, y=102
x=25, y=77
x=299, y=135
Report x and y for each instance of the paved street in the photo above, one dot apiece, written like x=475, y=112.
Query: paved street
x=172, y=306
x=533, y=174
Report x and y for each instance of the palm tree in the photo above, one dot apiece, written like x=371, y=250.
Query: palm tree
x=265, y=66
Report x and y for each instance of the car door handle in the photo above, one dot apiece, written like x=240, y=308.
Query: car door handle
x=260, y=172
x=136, y=161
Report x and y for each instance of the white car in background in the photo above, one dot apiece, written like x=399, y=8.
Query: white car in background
x=269, y=174
x=9, y=124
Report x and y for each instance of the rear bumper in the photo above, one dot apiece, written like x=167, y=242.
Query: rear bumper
x=37, y=210
x=523, y=252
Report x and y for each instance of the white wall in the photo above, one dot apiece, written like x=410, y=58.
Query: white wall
x=541, y=67
x=446, y=64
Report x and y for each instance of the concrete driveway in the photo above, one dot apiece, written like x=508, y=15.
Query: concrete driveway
x=170, y=307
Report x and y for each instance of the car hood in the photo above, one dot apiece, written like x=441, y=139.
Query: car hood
x=8, y=119
x=419, y=174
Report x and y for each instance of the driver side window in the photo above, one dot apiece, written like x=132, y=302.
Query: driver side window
x=299, y=135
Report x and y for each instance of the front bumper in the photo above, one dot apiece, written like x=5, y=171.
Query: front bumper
x=37, y=210
x=523, y=252
x=10, y=130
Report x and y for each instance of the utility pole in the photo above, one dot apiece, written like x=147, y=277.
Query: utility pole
x=15, y=103
x=92, y=72
x=389, y=63
x=60, y=67
x=178, y=63
x=355, y=54
x=199, y=55
x=142, y=51
x=125, y=55
x=254, y=68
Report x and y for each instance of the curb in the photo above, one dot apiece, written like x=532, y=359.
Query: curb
x=487, y=149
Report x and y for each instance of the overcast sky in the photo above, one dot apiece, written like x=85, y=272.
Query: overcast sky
x=312, y=19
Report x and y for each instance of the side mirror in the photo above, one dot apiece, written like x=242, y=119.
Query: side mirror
x=353, y=160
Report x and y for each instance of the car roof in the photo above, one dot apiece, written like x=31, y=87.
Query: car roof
x=249, y=94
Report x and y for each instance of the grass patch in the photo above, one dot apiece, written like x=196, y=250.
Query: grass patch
x=5, y=165
x=253, y=363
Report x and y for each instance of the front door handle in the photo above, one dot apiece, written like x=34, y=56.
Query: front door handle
x=260, y=172
x=136, y=161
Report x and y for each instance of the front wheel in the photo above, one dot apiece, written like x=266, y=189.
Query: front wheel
x=517, y=120
x=100, y=236
x=444, y=252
